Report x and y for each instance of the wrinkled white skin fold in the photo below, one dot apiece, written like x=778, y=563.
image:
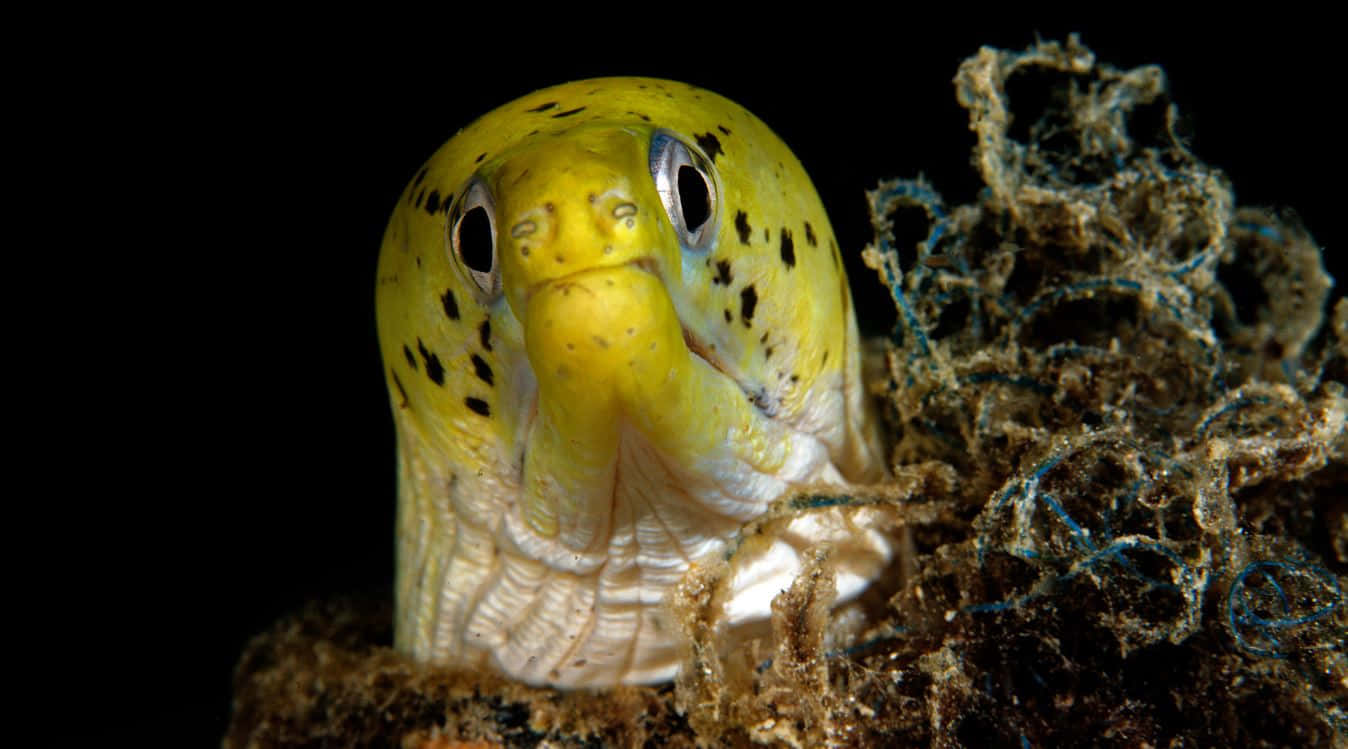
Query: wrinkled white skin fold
x=528, y=608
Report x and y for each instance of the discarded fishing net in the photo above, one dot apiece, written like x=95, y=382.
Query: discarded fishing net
x=1119, y=448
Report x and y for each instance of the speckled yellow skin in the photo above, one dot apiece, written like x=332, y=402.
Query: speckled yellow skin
x=571, y=443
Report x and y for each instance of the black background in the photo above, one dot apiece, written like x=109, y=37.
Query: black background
x=273, y=159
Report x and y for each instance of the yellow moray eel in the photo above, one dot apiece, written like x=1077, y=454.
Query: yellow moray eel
x=616, y=327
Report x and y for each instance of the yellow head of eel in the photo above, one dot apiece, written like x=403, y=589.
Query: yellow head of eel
x=615, y=327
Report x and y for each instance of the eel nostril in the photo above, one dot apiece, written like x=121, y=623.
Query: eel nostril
x=523, y=229
x=623, y=210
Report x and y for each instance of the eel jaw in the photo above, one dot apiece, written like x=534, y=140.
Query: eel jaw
x=613, y=361
x=758, y=396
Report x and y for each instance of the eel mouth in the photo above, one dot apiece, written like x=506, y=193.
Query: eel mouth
x=708, y=354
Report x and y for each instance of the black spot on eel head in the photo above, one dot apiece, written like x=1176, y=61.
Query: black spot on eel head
x=402, y=392
x=709, y=143
x=788, y=248
x=748, y=301
x=723, y=273
x=451, y=304
x=434, y=370
x=484, y=332
x=482, y=369
x=742, y=226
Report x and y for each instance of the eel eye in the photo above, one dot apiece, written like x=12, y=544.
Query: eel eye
x=687, y=187
x=473, y=237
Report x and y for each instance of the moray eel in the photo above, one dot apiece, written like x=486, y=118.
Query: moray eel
x=615, y=327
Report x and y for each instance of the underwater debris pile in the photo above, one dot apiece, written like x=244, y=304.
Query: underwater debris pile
x=1124, y=382
x=1119, y=450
